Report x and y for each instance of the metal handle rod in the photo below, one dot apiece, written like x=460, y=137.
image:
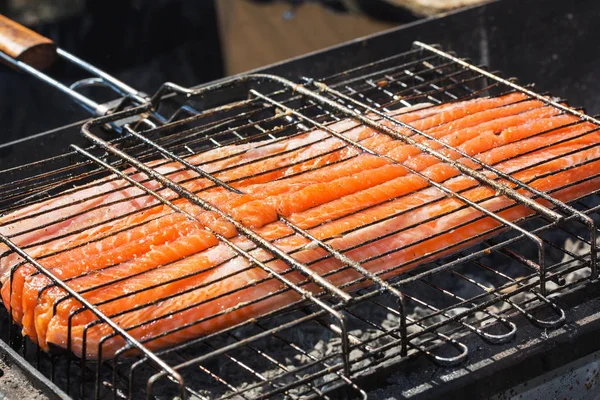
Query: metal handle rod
x=87, y=103
x=122, y=87
x=29, y=52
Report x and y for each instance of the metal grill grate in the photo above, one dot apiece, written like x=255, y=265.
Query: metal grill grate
x=326, y=338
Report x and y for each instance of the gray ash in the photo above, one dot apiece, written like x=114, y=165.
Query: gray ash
x=14, y=385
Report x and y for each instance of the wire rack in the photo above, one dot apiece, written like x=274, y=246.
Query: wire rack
x=326, y=338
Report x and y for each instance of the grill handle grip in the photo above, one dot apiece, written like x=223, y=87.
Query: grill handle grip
x=25, y=45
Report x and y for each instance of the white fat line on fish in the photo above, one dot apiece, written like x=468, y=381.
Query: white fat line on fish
x=311, y=245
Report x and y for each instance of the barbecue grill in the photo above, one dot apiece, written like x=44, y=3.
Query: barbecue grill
x=429, y=331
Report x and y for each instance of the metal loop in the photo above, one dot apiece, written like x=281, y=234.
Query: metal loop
x=448, y=361
x=91, y=82
x=544, y=323
x=499, y=338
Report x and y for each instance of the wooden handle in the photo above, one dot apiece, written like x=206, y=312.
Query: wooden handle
x=25, y=45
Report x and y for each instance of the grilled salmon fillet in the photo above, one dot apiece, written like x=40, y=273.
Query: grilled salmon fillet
x=167, y=279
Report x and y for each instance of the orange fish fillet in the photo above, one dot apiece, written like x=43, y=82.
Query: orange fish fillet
x=168, y=279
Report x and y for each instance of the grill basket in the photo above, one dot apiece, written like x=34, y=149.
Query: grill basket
x=324, y=344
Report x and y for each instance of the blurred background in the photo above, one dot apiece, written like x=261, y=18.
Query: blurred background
x=147, y=42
